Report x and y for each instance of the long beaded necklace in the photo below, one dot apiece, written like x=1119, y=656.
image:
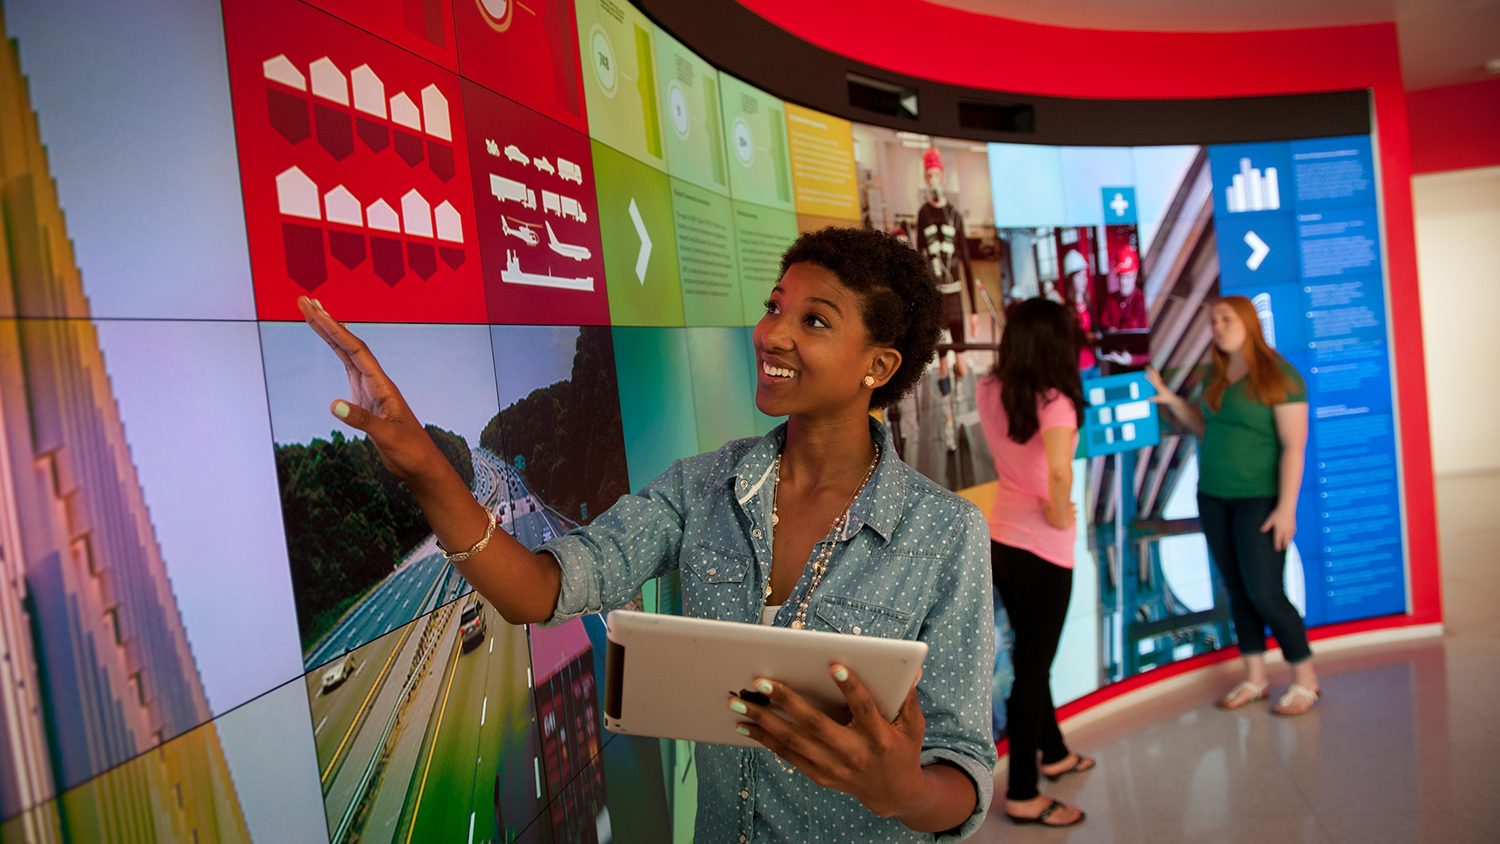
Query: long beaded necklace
x=820, y=562
x=824, y=557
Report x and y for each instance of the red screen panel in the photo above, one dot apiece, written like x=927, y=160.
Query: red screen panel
x=526, y=51
x=424, y=27
x=538, y=215
x=354, y=171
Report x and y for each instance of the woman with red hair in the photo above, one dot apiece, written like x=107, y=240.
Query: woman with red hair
x=1253, y=423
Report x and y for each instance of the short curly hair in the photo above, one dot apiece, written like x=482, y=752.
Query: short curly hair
x=899, y=299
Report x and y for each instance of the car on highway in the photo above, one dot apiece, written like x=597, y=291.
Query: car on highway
x=471, y=624
x=338, y=673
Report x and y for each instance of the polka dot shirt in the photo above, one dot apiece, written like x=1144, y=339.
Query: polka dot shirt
x=913, y=563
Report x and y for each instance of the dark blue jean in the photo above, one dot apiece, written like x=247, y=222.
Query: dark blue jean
x=1253, y=572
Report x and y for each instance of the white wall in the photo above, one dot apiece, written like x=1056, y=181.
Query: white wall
x=1458, y=261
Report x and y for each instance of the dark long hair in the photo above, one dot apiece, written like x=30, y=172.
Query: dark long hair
x=1038, y=354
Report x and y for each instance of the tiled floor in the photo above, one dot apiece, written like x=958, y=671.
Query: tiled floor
x=1404, y=748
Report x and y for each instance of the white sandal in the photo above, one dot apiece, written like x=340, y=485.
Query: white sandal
x=1257, y=691
x=1284, y=704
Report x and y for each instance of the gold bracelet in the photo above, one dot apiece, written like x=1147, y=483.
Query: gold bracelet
x=489, y=531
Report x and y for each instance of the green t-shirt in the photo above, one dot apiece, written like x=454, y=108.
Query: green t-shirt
x=1241, y=454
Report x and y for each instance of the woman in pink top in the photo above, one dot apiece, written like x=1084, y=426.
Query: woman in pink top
x=1030, y=408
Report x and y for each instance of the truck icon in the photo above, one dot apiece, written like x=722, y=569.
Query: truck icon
x=568, y=171
x=563, y=206
x=571, y=208
x=510, y=190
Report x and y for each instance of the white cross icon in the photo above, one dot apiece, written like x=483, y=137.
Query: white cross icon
x=1119, y=204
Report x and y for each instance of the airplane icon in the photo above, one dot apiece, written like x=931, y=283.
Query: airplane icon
x=567, y=250
x=514, y=153
x=544, y=165
x=491, y=147
x=523, y=231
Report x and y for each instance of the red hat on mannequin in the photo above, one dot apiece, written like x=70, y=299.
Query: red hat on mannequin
x=1128, y=261
x=932, y=159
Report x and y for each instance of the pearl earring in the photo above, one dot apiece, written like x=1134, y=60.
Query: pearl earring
x=869, y=380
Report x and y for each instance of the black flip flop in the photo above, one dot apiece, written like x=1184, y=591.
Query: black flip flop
x=1047, y=813
x=1083, y=765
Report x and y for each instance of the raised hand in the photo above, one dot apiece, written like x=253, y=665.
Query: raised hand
x=375, y=406
x=1163, y=394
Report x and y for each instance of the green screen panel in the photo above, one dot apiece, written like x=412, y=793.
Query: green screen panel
x=722, y=368
x=692, y=122
x=761, y=235
x=755, y=130
x=619, y=78
x=656, y=400
x=640, y=251
x=707, y=256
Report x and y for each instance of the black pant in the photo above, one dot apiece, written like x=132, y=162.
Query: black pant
x=1035, y=593
x=1253, y=570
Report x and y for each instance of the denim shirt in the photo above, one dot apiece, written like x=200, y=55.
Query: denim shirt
x=913, y=563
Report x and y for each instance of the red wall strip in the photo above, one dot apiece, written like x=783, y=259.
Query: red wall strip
x=1455, y=127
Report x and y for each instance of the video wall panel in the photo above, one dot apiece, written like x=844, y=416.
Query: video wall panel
x=640, y=252
x=707, y=255
x=821, y=151
x=1301, y=222
x=525, y=51
x=160, y=132
x=755, y=129
x=619, y=79
x=761, y=235
x=536, y=200
x=555, y=224
x=355, y=170
x=688, y=88
x=425, y=28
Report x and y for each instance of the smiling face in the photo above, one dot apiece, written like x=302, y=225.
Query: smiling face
x=812, y=350
x=1228, y=330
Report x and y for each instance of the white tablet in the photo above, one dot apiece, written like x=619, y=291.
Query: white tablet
x=671, y=677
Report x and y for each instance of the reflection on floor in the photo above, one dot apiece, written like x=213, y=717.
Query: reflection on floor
x=1404, y=747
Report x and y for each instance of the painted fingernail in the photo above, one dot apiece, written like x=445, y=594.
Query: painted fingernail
x=763, y=686
x=742, y=731
x=341, y=410
x=319, y=304
x=738, y=706
x=840, y=673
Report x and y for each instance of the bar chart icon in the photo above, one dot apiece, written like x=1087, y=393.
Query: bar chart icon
x=1267, y=317
x=1252, y=189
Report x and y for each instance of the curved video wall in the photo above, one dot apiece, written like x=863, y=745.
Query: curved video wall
x=222, y=620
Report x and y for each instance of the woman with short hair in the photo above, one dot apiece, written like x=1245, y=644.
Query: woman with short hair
x=806, y=527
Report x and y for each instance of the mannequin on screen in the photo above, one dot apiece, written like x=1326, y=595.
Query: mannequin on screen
x=1125, y=309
